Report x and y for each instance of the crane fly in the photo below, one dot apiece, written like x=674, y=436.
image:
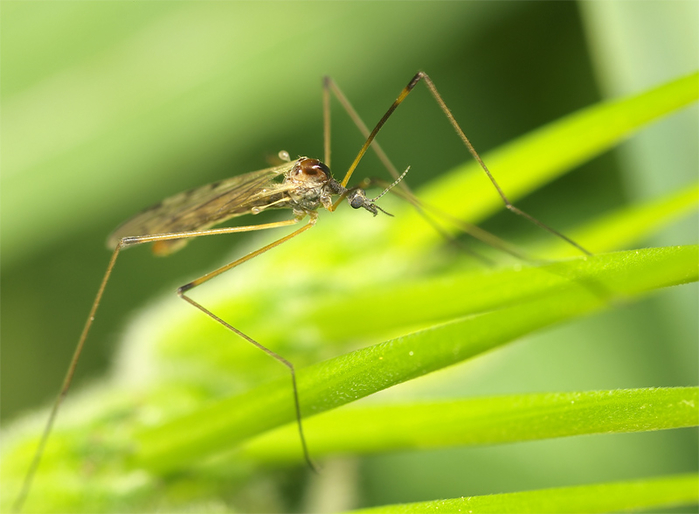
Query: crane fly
x=302, y=185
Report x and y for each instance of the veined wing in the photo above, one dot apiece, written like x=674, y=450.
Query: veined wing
x=205, y=206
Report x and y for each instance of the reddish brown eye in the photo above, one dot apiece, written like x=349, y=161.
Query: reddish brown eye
x=312, y=168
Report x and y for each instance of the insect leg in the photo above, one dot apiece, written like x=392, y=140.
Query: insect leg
x=28, y=478
x=330, y=86
x=430, y=85
x=187, y=287
x=433, y=90
x=123, y=243
x=403, y=190
x=327, y=81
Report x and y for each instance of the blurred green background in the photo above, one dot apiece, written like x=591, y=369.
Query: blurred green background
x=109, y=107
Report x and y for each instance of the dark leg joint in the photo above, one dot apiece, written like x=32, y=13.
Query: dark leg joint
x=128, y=241
x=415, y=80
x=184, y=289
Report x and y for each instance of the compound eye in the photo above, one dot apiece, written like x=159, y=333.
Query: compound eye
x=357, y=200
x=312, y=168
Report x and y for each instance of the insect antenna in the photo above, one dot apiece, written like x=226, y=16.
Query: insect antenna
x=395, y=183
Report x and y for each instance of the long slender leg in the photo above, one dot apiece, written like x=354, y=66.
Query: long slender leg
x=29, y=477
x=191, y=285
x=123, y=243
x=404, y=191
x=329, y=85
x=326, y=121
x=433, y=90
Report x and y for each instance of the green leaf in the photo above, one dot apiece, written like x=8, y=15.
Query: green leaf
x=661, y=492
x=387, y=427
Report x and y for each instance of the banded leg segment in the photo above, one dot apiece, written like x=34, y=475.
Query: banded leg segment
x=330, y=86
x=403, y=190
x=442, y=105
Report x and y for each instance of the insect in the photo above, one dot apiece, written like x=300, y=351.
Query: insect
x=303, y=185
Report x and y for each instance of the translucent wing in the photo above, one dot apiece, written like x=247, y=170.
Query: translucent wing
x=203, y=207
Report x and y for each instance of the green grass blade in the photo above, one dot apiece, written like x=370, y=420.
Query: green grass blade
x=628, y=225
x=651, y=493
x=352, y=376
x=384, y=427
